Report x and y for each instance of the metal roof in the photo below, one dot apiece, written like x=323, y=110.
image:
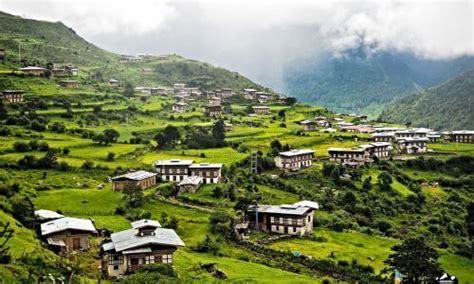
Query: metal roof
x=285, y=209
x=307, y=122
x=413, y=139
x=205, y=166
x=380, y=144
x=173, y=162
x=296, y=152
x=307, y=203
x=355, y=150
x=145, y=223
x=140, y=250
x=138, y=175
x=129, y=239
x=67, y=223
x=192, y=180
x=43, y=214
x=54, y=242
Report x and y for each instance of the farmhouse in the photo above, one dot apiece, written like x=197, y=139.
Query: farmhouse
x=215, y=101
x=180, y=107
x=173, y=170
x=114, y=83
x=211, y=173
x=190, y=184
x=410, y=133
x=412, y=145
x=322, y=121
x=68, y=234
x=2, y=53
x=64, y=71
x=380, y=129
x=68, y=84
x=261, y=109
x=139, y=180
x=226, y=93
x=262, y=97
x=294, y=159
x=357, y=128
x=34, y=70
x=352, y=157
x=250, y=94
x=178, y=86
x=12, y=96
x=460, y=136
x=294, y=219
x=130, y=59
x=380, y=150
x=212, y=110
x=434, y=137
x=383, y=136
x=308, y=125
x=282, y=100
x=145, y=243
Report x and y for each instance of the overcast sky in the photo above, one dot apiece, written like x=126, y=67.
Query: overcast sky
x=259, y=37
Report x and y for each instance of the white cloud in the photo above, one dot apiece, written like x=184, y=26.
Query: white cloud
x=259, y=37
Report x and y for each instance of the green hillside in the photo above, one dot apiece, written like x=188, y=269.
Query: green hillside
x=448, y=106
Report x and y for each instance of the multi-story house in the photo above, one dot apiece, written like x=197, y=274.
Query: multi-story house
x=211, y=173
x=173, y=170
x=459, y=136
x=213, y=110
x=294, y=159
x=308, y=125
x=351, y=157
x=381, y=150
x=294, y=219
x=145, y=243
x=261, y=109
x=250, y=94
x=412, y=145
x=12, y=96
x=383, y=136
x=180, y=107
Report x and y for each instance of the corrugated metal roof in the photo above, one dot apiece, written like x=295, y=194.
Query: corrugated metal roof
x=296, y=152
x=192, y=180
x=54, y=242
x=173, y=162
x=140, y=250
x=205, y=165
x=130, y=238
x=44, y=214
x=145, y=223
x=307, y=203
x=67, y=223
x=108, y=246
x=138, y=175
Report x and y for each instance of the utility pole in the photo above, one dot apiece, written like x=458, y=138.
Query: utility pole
x=254, y=163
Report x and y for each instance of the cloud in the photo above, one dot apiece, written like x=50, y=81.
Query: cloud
x=258, y=38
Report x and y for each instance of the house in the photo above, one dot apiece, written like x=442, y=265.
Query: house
x=145, y=243
x=130, y=59
x=294, y=159
x=139, y=180
x=381, y=150
x=68, y=234
x=262, y=97
x=322, y=121
x=381, y=129
x=178, y=86
x=68, y=84
x=412, y=145
x=459, y=136
x=180, y=107
x=182, y=97
x=2, y=53
x=211, y=173
x=44, y=215
x=383, y=136
x=294, y=219
x=64, y=71
x=308, y=125
x=212, y=110
x=282, y=100
x=190, y=184
x=250, y=94
x=12, y=96
x=434, y=137
x=410, y=133
x=34, y=70
x=114, y=83
x=215, y=101
x=357, y=128
x=226, y=93
x=173, y=170
x=261, y=109
x=351, y=157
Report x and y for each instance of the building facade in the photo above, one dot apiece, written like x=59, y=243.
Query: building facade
x=12, y=96
x=213, y=110
x=210, y=173
x=460, y=136
x=68, y=234
x=294, y=159
x=261, y=109
x=349, y=156
x=413, y=145
x=173, y=170
x=139, y=180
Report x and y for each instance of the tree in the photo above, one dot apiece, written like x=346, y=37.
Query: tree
x=20, y=146
x=291, y=101
x=128, y=90
x=110, y=156
x=3, y=110
x=415, y=260
x=470, y=225
x=367, y=184
x=110, y=135
x=282, y=114
x=23, y=209
x=37, y=126
x=6, y=233
x=384, y=181
x=168, y=137
x=218, y=131
x=48, y=161
x=133, y=196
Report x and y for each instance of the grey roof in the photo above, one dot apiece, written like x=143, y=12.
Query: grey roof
x=138, y=175
x=32, y=68
x=129, y=239
x=205, y=166
x=296, y=152
x=307, y=122
x=43, y=214
x=54, y=242
x=380, y=144
x=355, y=150
x=413, y=139
x=140, y=250
x=145, y=223
x=173, y=162
x=463, y=132
x=192, y=180
x=108, y=246
x=67, y=223
x=307, y=203
x=383, y=134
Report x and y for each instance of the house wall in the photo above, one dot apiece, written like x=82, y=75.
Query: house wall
x=143, y=184
x=173, y=173
x=285, y=224
x=209, y=175
x=295, y=162
x=68, y=238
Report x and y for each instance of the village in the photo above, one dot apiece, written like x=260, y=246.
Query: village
x=264, y=148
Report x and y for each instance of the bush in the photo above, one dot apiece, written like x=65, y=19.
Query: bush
x=37, y=126
x=208, y=245
x=87, y=165
x=20, y=146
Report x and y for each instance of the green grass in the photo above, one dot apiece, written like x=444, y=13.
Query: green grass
x=226, y=156
x=455, y=148
x=396, y=185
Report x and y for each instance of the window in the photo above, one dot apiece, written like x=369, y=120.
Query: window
x=167, y=258
x=115, y=267
x=134, y=261
x=309, y=218
x=149, y=259
x=272, y=219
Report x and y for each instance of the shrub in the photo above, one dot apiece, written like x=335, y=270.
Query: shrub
x=208, y=245
x=20, y=146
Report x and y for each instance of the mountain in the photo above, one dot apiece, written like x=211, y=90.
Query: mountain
x=42, y=42
x=357, y=82
x=448, y=106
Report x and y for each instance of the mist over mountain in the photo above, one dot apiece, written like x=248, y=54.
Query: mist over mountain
x=365, y=82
